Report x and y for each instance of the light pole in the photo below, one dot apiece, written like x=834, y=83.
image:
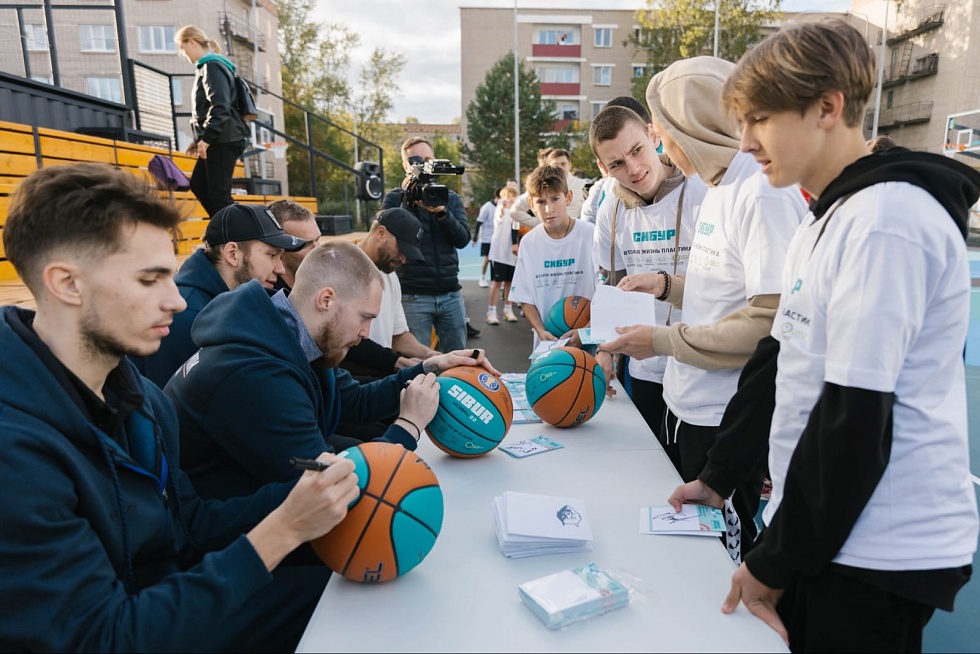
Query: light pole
x=717, y=25
x=881, y=72
x=517, y=108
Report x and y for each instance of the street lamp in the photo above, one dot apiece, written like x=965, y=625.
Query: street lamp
x=517, y=108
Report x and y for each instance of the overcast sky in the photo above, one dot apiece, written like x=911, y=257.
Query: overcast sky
x=427, y=33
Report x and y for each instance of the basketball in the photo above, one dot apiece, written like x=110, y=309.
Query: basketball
x=394, y=522
x=567, y=314
x=475, y=412
x=565, y=387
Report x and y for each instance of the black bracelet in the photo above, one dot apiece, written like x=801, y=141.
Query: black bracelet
x=663, y=296
x=417, y=430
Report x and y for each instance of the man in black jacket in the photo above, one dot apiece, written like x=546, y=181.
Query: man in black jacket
x=431, y=294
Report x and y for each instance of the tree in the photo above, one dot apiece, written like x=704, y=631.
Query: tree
x=671, y=30
x=489, y=153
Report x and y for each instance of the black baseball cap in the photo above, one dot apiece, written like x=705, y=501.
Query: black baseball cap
x=248, y=222
x=406, y=229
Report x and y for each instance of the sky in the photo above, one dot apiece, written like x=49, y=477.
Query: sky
x=426, y=32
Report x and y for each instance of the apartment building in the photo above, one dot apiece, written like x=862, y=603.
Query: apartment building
x=579, y=55
x=83, y=51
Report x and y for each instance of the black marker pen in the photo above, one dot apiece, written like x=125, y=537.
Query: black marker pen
x=308, y=464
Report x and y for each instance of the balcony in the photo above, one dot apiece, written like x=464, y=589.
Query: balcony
x=921, y=21
x=240, y=30
x=560, y=88
x=923, y=66
x=907, y=114
x=556, y=50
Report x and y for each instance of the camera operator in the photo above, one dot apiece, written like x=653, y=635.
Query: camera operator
x=431, y=293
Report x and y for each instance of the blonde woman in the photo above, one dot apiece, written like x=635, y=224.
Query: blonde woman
x=220, y=132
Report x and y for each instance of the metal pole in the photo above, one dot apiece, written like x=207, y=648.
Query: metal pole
x=357, y=202
x=717, y=25
x=517, y=108
x=53, y=46
x=881, y=73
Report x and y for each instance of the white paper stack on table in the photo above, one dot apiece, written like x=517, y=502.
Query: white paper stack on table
x=571, y=595
x=528, y=524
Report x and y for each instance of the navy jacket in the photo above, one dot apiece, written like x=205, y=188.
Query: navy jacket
x=86, y=529
x=199, y=282
x=439, y=273
x=250, y=399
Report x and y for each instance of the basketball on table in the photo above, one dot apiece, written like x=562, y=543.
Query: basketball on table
x=565, y=387
x=394, y=522
x=568, y=313
x=475, y=412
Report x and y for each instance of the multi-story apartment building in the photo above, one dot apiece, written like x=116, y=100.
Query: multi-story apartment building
x=82, y=50
x=579, y=56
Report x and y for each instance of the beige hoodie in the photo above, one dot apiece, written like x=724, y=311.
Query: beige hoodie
x=685, y=99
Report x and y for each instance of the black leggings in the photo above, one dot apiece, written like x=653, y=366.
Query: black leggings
x=211, y=179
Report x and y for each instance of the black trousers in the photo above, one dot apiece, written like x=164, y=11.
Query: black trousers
x=832, y=612
x=211, y=179
x=687, y=447
x=648, y=397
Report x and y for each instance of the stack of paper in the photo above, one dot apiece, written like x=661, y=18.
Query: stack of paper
x=693, y=520
x=571, y=595
x=528, y=524
x=523, y=413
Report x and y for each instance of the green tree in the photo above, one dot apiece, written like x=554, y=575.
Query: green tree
x=489, y=154
x=671, y=30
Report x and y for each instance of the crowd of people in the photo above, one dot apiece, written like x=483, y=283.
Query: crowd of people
x=149, y=412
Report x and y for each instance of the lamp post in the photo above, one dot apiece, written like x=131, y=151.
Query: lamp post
x=880, y=62
x=517, y=107
x=717, y=25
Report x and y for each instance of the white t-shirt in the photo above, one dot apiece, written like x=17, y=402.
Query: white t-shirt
x=743, y=229
x=485, y=221
x=645, y=240
x=550, y=269
x=597, y=195
x=882, y=303
x=577, y=186
x=391, y=318
x=501, y=245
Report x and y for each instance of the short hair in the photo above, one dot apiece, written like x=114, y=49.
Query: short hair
x=79, y=207
x=881, y=143
x=546, y=178
x=543, y=155
x=509, y=191
x=413, y=140
x=790, y=70
x=609, y=122
x=286, y=210
x=195, y=33
x=630, y=102
x=338, y=264
x=559, y=152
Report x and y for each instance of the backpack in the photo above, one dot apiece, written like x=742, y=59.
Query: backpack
x=243, y=100
x=168, y=176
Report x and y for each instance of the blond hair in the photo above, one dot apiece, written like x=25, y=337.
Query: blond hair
x=411, y=141
x=195, y=33
x=544, y=179
x=338, y=264
x=792, y=68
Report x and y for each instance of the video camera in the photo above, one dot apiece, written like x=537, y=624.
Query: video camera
x=422, y=188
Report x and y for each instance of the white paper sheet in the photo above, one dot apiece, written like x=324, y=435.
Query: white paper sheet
x=612, y=308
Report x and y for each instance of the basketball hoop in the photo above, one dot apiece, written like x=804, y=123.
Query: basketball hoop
x=278, y=148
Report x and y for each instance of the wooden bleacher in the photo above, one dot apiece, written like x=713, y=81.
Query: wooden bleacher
x=19, y=158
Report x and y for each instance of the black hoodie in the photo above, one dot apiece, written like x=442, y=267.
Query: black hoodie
x=743, y=436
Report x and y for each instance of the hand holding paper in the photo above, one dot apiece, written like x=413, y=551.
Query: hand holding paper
x=612, y=308
x=635, y=341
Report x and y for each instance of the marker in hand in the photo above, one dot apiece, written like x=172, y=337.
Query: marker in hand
x=308, y=464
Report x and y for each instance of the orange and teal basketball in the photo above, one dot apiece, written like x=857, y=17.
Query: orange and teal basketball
x=568, y=313
x=474, y=414
x=394, y=522
x=565, y=387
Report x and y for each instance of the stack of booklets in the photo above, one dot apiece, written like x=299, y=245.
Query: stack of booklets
x=528, y=524
x=523, y=413
x=571, y=595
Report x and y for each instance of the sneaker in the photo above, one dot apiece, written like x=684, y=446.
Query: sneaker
x=483, y=283
x=492, y=316
x=509, y=314
x=471, y=331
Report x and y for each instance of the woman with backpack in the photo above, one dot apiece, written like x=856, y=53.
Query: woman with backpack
x=220, y=131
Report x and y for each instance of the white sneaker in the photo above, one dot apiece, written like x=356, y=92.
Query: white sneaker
x=492, y=316
x=509, y=314
x=483, y=283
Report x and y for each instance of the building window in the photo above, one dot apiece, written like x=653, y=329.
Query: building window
x=157, y=39
x=176, y=92
x=557, y=74
x=639, y=70
x=97, y=38
x=602, y=75
x=889, y=100
x=106, y=88
x=44, y=79
x=35, y=37
x=597, y=107
x=566, y=111
x=603, y=37
x=557, y=36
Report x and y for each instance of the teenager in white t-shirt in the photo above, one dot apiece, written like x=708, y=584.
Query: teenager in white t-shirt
x=555, y=258
x=483, y=232
x=653, y=208
x=503, y=257
x=872, y=522
x=731, y=287
x=562, y=158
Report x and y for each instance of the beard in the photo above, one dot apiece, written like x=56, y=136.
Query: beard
x=98, y=343
x=388, y=265
x=333, y=347
x=243, y=275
